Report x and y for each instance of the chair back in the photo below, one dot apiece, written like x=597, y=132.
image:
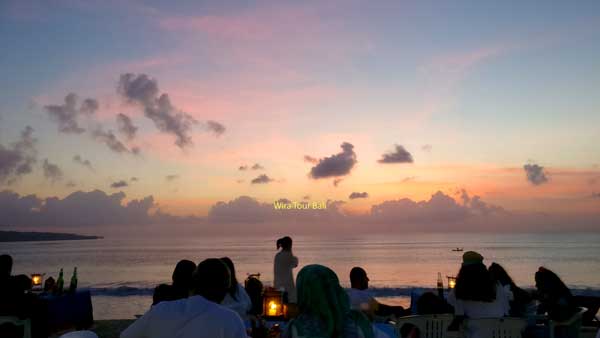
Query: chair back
x=570, y=328
x=430, y=326
x=506, y=327
x=25, y=323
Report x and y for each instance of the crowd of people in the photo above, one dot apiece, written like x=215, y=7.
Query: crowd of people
x=206, y=300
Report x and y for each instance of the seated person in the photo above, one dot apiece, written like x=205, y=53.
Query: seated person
x=15, y=301
x=431, y=304
x=361, y=299
x=520, y=300
x=182, y=281
x=324, y=308
x=554, y=296
x=236, y=298
x=198, y=316
x=476, y=294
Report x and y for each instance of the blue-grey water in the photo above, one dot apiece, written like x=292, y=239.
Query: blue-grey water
x=121, y=273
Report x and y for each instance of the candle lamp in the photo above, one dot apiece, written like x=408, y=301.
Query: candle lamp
x=273, y=306
x=36, y=281
x=451, y=282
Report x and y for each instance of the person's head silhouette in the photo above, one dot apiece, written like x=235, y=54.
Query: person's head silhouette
x=182, y=275
x=359, y=279
x=211, y=280
x=285, y=243
x=6, y=263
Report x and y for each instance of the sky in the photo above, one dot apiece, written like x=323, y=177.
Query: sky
x=462, y=114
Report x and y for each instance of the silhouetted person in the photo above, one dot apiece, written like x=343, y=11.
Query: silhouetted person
x=182, y=283
x=199, y=316
x=519, y=298
x=476, y=294
x=236, y=298
x=324, y=308
x=254, y=289
x=431, y=304
x=362, y=300
x=554, y=296
x=14, y=301
x=284, y=263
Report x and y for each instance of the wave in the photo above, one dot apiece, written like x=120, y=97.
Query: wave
x=127, y=291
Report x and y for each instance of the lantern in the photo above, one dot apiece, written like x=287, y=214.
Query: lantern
x=36, y=281
x=451, y=282
x=273, y=303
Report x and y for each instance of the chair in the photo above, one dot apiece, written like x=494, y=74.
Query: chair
x=568, y=328
x=80, y=334
x=25, y=323
x=430, y=326
x=506, y=327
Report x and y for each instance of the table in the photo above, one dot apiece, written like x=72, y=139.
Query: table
x=69, y=310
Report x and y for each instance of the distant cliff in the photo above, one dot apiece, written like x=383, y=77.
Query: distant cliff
x=18, y=236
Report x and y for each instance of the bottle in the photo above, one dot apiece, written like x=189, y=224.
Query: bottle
x=73, y=285
x=60, y=283
x=440, y=285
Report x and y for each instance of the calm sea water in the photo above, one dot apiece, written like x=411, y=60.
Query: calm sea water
x=121, y=273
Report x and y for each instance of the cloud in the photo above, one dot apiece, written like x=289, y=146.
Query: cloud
x=426, y=148
x=335, y=165
x=70, y=184
x=243, y=168
x=535, y=174
x=337, y=181
x=119, y=184
x=409, y=179
x=171, y=178
x=262, y=179
x=596, y=195
x=86, y=163
x=306, y=197
x=111, y=141
x=310, y=159
x=356, y=195
x=399, y=155
x=52, y=171
x=79, y=209
x=257, y=166
x=66, y=114
x=18, y=159
x=143, y=90
x=215, y=127
x=126, y=126
x=134, y=179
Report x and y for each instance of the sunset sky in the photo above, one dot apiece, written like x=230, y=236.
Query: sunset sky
x=397, y=99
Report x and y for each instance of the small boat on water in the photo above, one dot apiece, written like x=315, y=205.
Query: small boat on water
x=457, y=249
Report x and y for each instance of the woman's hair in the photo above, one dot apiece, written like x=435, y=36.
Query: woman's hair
x=500, y=275
x=549, y=283
x=474, y=282
x=233, y=288
x=182, y=275
x=285, y=243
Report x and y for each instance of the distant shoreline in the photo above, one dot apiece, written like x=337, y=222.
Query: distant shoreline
x=19, y=236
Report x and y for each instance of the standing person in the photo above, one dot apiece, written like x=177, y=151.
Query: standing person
x=284, y=263
x=237, y=298
x=198, y=316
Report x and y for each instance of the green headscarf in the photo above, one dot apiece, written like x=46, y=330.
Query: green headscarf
x=320, y=295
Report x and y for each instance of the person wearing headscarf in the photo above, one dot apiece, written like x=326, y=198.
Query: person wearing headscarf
x=324, y=308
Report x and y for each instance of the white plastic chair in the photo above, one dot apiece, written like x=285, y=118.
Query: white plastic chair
x=572, y=325
x=80, y=334
x=506, y=327
x=430, y=326
x=25, y=323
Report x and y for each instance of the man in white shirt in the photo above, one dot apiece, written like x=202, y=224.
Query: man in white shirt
x=361, y=299
x=199, y=316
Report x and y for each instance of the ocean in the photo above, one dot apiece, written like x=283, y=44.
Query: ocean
x=122, y=272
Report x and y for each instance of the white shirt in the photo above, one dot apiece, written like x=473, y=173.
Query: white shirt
x=241, y=305
x=193, y=317
x=285, y=261
x=361, y=299
x=499, y=308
